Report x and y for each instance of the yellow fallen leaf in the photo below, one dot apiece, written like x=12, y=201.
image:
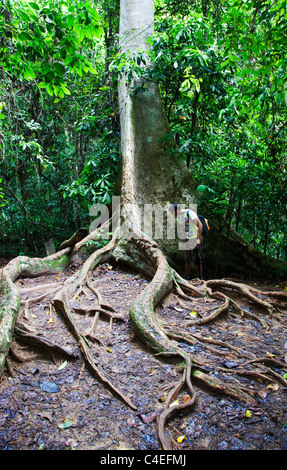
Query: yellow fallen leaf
x=180, y=439
x=273, y=387
x=108, y=350
x=51, y=320
x=270, y=354
x=247, y=413
x=162, y=398
x=193, y=314
x=285, y=288
x=174, y=403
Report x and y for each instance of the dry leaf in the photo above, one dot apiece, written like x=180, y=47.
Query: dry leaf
x=273, y=387
x=247, y=413
x=186, y=399
x=180, y=439
x=262, y=394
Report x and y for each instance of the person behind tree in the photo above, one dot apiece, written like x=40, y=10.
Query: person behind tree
x=193, y=229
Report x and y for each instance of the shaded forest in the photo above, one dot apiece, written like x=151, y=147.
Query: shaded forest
x=221, y=71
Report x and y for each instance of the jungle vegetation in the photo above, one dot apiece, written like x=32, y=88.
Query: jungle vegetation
x=221, y=70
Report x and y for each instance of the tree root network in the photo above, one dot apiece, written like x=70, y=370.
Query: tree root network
x=163, y=338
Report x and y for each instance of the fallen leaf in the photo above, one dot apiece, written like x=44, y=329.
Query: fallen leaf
x=108, y=350
x=67, y=423
x=193, y=313
x=180, y=439
x=186, y=399
x=262, y=394
x=131, y=421
x=148, y=418
x=63, y=365
x=51, y=320
x=49, y=387
x=178, y=309
x=174, y=403
x=247, y=413
x=47, y=416
x=273, y=387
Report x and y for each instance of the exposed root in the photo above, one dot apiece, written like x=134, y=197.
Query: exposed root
x=23, y=334
x=172, y=405
x=61, y=305
x=222, y=387
x=246, y=291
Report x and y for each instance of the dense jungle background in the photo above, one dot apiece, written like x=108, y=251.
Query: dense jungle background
x=221, y=69
x=78, y=373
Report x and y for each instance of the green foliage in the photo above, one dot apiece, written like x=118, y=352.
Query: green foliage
x=221, y=68
x=43, y=41
x=2, y=201
x=54, y=114
x=221, y=73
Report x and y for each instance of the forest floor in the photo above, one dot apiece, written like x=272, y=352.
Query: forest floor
x=49, y=402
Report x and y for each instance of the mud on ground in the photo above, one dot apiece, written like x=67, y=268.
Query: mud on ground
x=48, y=401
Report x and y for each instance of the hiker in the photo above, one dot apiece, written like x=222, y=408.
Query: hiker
x=200, y=225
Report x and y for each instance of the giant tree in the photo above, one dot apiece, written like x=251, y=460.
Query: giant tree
x=151, y=176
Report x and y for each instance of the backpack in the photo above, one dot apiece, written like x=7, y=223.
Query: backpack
x=205, y=226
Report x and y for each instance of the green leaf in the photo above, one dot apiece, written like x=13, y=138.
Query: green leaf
x=34, y=5
x=81, y=35
x=66, y=91
x=70, y=20
x=50, y=90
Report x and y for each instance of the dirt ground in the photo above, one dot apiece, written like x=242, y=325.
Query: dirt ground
x=52, y=402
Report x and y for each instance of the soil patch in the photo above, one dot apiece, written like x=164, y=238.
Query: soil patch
x=54, y=402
